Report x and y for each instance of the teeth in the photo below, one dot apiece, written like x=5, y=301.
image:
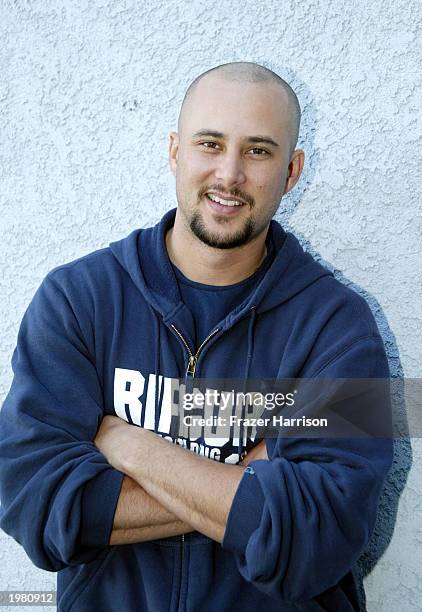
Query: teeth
x=214, y=198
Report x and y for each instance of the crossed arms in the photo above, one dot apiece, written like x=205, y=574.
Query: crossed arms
x=167, y=489
x=295, y=525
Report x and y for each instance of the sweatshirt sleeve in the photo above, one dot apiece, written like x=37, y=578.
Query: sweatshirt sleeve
x=299, y=521
x=57, y=490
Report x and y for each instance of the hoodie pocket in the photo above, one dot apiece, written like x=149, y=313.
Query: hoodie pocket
x=78, y=584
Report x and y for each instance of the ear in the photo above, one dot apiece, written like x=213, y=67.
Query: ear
x=297, y=161
x=173, y=150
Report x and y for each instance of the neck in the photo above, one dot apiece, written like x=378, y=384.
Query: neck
x=208, y=265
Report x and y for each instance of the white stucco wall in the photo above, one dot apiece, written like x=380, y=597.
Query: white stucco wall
x=88, y=93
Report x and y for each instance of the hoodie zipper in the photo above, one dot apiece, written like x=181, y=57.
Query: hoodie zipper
x=190, y=371
x=193, y=358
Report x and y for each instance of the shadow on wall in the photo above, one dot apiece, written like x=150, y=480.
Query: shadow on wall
x=402, y=460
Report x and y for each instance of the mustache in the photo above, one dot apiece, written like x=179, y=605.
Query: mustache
x=236, y=193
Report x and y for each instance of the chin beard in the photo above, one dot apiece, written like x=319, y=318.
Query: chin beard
x=231, y=241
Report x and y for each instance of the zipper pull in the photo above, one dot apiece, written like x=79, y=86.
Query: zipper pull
x=191, y=366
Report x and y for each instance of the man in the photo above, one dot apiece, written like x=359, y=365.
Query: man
x=217, y=289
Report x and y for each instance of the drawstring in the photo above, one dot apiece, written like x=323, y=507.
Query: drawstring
x=156, y=363
x=251, y=328
x=251, y=336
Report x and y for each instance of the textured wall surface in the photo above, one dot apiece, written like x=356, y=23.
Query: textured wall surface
x=88, y=94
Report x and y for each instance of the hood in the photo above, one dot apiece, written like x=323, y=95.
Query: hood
x=143, y=255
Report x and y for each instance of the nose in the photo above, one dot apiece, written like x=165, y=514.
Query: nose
x=229, y=170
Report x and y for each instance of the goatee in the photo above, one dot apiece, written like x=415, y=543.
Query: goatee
x=231, y=241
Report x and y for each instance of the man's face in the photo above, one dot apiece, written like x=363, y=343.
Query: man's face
x=231, y=159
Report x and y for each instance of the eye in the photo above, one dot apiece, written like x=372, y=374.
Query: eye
x=209, y=144
x=260, y=152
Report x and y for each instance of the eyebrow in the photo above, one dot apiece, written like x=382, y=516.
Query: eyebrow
x=253, y=139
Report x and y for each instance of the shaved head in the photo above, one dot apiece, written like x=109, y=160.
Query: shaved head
x=249, y=72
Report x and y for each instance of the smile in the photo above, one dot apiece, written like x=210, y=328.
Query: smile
x=222, y=201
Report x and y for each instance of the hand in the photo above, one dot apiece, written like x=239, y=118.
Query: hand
x=113, y=439
x=258, y=452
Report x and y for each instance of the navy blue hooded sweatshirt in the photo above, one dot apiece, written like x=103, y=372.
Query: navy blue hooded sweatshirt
x=298, y=522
